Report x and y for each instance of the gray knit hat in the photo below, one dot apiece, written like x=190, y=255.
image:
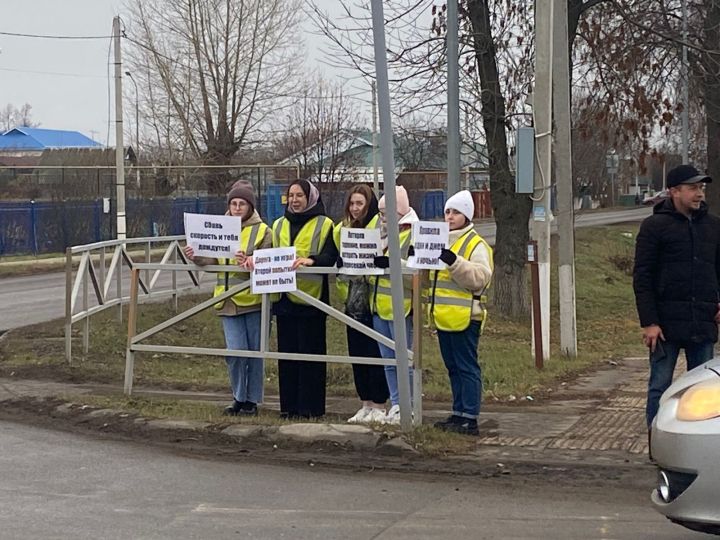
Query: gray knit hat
x=242, y=189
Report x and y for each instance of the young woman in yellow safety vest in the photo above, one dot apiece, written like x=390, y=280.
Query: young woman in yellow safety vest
x=301, y=327
x=381, y=296
x=457, y=310
x=361, y=211
x=241, y=313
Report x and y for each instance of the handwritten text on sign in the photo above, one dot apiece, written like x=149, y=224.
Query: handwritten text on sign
x=358, y=248
x=273, y=271
x=213, y=236
x=429, y=238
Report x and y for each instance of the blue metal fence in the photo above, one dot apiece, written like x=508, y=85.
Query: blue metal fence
x=51, y=226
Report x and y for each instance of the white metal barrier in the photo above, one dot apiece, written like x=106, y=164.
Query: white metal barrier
x=107, y=279
x=137, y=342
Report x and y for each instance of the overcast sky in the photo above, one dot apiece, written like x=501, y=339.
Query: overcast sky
x=66, y=81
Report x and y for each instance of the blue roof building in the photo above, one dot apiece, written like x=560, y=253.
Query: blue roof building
x=26, y=139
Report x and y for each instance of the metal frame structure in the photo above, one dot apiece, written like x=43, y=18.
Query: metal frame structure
x=93, y=270
x=135, y=341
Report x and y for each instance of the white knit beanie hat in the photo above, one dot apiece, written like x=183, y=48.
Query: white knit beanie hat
x=462, y=201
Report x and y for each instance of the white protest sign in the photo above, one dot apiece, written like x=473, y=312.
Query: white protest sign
x=273, y=271
x=358, y=248
x=429, y=239
x=213, y=236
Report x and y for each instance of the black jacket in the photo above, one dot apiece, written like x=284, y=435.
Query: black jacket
x=677, y=272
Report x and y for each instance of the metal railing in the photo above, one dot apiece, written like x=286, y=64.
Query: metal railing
x=107, y=279
x=137, y=342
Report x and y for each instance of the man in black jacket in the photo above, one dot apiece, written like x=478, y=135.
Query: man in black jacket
x=676, y=280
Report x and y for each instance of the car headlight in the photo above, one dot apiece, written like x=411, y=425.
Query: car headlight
x=700, y=402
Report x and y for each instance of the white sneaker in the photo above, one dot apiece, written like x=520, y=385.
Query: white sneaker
x=393, y=415
x=360, y=416
x=376, y=416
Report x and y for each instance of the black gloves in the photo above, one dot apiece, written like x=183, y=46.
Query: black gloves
x=447, y=256
x=411, y=251
x=382, y=261
x=339, y=262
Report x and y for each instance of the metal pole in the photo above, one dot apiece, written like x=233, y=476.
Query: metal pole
x=537, y=316
x=685, y=87
x=542, y=113
x=68, y=305
x=453, y=112
x=388, y=163
x=119, y=145
x=376, y=181
x=563, y=174
x=132, y=330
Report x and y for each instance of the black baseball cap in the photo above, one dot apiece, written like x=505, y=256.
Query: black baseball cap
x=686, y=174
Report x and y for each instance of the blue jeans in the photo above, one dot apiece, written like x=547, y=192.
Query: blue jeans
x=247, y=375
x=662, y=366
x=386, y=329
x=459, y=352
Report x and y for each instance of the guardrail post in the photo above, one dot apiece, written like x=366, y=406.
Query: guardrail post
x=86, y=321
x=417, y=350
x=118, y=281
x=147, y=260
x=132, y=330
x=68, y=305
x=174, y=277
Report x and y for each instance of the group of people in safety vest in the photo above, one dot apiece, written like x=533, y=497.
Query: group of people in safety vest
x=456, y=304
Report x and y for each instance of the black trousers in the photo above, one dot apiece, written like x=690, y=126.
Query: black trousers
x=370, y=382
x=302, y=383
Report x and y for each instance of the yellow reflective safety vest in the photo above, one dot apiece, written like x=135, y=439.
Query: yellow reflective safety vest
x=341, y=280
x=450, y=304
x=308, y=241
x=251, y=238
x=381, y=302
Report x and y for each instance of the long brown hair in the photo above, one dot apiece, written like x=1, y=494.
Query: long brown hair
x=366, y=192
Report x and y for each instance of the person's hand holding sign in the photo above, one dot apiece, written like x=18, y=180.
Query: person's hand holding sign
x=249, y=264
x=189, y=252
x=302, y=261
x=240, y=258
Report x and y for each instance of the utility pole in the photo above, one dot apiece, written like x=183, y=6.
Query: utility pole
x=453, y=81
x=376, y=182
x=685, y=88
x=119, y=145
x=542, y=113
x=388, y=163
x=563, y=175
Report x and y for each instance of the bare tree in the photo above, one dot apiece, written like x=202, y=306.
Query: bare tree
x=12, y=117
x=319, y=132
x=213, y=72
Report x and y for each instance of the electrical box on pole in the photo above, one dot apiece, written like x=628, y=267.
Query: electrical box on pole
x=525, y=160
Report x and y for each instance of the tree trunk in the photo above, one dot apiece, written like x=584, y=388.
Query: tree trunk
x=512, y=211
x=711, y=91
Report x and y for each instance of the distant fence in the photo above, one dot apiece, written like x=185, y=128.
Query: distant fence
x=71, y=206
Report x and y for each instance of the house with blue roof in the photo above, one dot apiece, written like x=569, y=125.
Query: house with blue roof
x=27, y=139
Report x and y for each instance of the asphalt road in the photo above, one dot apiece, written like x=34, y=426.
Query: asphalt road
x=57, y=485
x=33, y=299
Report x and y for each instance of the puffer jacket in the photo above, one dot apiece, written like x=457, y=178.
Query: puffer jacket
x=677, y=273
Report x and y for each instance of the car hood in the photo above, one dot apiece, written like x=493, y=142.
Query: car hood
x=709, y=370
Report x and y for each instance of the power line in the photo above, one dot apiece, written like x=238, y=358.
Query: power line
x=52, y=73
x=46, y=36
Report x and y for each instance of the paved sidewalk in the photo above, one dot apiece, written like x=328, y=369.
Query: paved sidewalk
x=596, y=420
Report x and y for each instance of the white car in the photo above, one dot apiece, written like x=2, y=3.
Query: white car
x=685, y=444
